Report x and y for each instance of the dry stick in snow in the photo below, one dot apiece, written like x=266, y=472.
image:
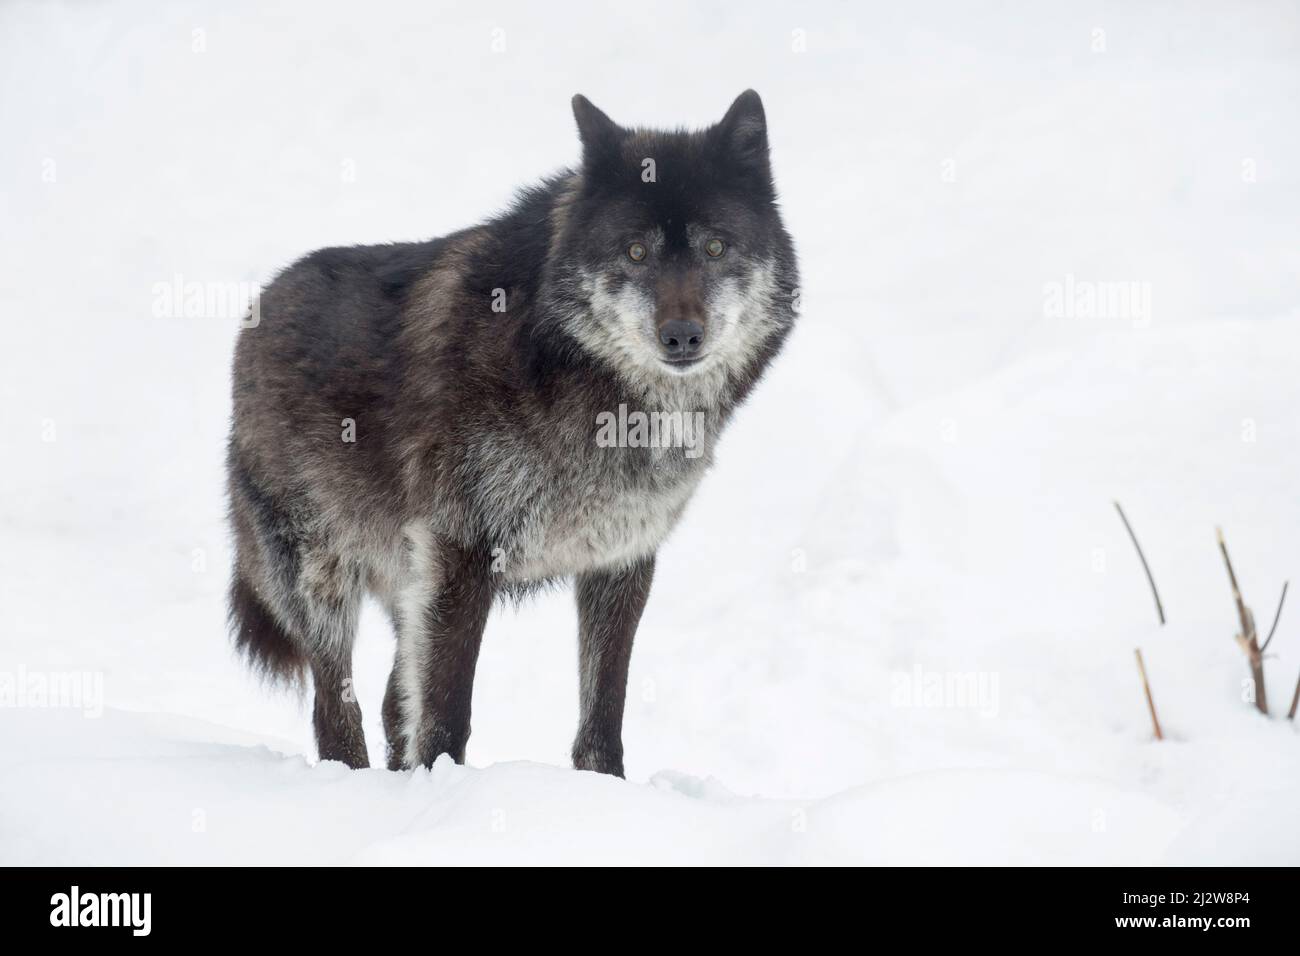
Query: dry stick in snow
x=1276, y=617
x=1160, y=608
x=1295, y=698
x=1151, y=704
x=1248, y=639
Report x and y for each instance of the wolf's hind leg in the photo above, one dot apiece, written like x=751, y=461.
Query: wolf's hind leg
x=294, y=605
x=329, y=595
x=336, y=717
x=440, y=626
x=394, y=732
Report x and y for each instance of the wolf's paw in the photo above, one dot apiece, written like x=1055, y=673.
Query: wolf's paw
x=598, y=759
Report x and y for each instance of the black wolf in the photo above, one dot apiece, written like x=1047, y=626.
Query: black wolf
x=423, y=422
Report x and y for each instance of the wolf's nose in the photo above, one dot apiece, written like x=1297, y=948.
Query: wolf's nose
x=681, y=338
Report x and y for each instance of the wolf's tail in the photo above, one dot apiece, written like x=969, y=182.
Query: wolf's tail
x=260, y=639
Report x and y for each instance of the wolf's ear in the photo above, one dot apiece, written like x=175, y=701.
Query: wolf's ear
x=743, y=132
x=597, y=131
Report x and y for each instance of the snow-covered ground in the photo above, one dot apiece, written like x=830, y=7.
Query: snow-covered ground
x=897, y=624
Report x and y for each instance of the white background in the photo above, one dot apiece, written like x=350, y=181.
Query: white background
x=920, y=489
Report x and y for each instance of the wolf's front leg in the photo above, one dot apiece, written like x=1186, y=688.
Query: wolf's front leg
x=438, y=648
x=609, y=608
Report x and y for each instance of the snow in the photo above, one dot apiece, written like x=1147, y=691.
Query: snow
x=898, y=622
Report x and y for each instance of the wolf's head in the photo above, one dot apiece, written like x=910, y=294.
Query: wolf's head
x=670, y=256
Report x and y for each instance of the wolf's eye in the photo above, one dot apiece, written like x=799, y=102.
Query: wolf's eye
x=715, y=247
x=636, y=252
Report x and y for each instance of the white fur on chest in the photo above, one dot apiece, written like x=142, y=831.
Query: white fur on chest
x=603, y=528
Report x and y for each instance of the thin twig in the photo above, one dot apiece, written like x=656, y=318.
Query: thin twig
x=1151, y=704
x=1276, y=617
x=1160, y=608
x=1232, y=579
x=1295, y=699
x=1248, y=639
